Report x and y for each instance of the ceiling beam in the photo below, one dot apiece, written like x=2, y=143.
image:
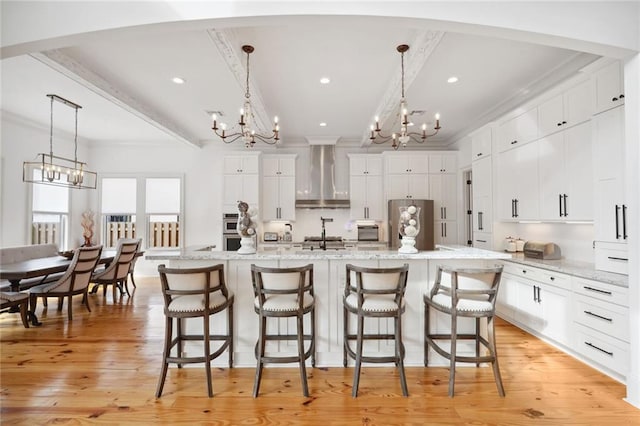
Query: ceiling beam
x=224, y=40
x=420, y=48
x=77, y=72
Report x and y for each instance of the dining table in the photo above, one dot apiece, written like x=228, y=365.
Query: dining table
x=42, y=267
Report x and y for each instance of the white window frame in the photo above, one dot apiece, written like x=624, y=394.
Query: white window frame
x=63, y=237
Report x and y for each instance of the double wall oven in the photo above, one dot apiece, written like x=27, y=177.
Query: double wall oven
x=230, y=236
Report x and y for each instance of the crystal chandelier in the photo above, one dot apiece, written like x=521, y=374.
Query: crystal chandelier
x=246, y=132
x=51, y=169
x=404, y=135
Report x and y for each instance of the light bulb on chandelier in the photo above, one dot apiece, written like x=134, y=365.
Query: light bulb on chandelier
x=246, y=132
x=404, y=136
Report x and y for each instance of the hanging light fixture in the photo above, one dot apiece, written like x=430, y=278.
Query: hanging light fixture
x=51, y=169
x=404, y=135
x=246, y=132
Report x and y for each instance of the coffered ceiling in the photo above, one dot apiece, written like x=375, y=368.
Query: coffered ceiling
x=124, y=79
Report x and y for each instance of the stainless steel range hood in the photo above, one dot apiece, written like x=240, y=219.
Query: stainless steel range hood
x=321, y=193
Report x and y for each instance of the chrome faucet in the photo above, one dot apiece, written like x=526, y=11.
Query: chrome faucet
x=323, y=243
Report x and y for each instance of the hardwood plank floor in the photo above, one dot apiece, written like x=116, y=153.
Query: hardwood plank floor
x=102, y=368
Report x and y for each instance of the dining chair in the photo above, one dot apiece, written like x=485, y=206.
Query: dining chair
x=284, y=293
x=116, y=273
x=374, y=293
x=13, y=299
x=194, y=293
x=466, y=293
x=74, y=281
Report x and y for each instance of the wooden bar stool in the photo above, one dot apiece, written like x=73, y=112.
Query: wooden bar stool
x=284, y=293
x=194, y=293
x=375, y=293
x=464, y=292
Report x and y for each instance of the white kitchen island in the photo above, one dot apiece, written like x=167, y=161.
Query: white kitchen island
x=329, y=279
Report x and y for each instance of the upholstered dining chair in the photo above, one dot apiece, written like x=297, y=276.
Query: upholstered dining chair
x=116, y=273
x=464, y=292
x=74, y=281
x=12, y=299
x=374, y=293
x=191, y=293
x=284, y=293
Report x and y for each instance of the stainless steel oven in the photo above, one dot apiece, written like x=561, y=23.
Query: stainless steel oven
x=230, y=223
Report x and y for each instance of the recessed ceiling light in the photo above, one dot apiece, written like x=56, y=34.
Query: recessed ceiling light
x=323, y=124
x=452, y=79
x=325, y=80
x=178, y=80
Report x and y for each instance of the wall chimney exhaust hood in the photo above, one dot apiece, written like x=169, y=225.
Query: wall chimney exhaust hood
x=321, y=193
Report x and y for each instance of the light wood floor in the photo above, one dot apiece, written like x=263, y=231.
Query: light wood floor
x=102, y=368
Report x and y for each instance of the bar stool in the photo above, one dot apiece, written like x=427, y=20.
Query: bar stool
x=464, y=292
x=194, y=293
x=376, y=293
x=284, y=293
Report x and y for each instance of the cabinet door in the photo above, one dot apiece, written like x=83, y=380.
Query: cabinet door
x=374, y=204
x=481, y=175
x=445, y=232
x=397, y=186
x=287, y=166
x=418, y=163
x=241, y=164
x=357, y=165
x=358, y=195
x=374, y=165
x=507, y=185
x=556, y=313
x=552, y=175
x=418, y=186
x=578, y=104
x=526, y=176
x=397, y=164
x=482, y=213
x=519, y=130
x=507, y=301
x=270, y=166
x=232, y=190
x=442, y=190
x=609, y=91
x=529, y=312
x=578, y=205
x=551, y=116
x=287, y=197
x=270, y=198
x=442, y=163
x=481, y=143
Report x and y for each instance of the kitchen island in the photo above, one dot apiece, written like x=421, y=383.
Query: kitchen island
x=329, y=279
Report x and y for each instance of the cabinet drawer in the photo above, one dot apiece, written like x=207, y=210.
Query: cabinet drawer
x=602, y=291
x=602, y=349
x=519, y=270
x=554, y=278
x=610, y=319
x=612, y=260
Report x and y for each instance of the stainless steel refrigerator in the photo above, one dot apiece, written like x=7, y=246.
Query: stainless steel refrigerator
x=425, y=238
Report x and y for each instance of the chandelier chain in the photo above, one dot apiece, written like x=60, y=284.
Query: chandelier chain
x=247, y=94
x=51, y=132
x=75, y=140
x=402, y=71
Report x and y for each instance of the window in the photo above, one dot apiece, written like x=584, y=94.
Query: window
x=118, y=209
x=158, y=200
x=162, y=208
x=49, y=214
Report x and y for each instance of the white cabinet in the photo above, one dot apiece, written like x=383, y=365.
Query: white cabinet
x=518, y=183
x=518, y=131
x=442, y=190
x=601, y=324
x=538, y=300
x=565, y=110
x=443, y=163
x=608, y=87
x=406, y=175
x=611, y=210
x=278, y=188
x=482, y=196
x=241, y=181
x=481, y=142
x=445, y=232
x=566, y=188
x=366, y=186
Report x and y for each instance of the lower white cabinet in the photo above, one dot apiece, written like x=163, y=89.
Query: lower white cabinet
x=588, y=319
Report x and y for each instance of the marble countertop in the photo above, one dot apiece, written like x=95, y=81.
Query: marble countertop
x=442, y=252
x=572, y=267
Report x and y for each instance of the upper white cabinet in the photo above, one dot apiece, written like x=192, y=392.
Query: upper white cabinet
x=279, y=187
x=248, y=163
x=406, y=175
x=565, y=110
x=608, y=87
x=443, y=163
x=366, y=186
x=241, y=180
x=518, y=130
x=518, y=183
x=406, y=163
x=566, y=175
x=279, y=165
x=481, y=142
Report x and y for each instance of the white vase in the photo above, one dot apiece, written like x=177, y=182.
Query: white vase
x=247, y=245
x=409, y=228
x=408, y=245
